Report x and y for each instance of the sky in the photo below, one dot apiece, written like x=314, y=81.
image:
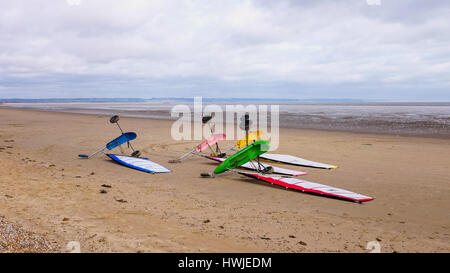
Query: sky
x=361, y=49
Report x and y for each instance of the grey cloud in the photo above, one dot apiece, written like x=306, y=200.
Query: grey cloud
x=258, y=45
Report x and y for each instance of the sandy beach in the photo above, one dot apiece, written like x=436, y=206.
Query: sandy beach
x=47, y=190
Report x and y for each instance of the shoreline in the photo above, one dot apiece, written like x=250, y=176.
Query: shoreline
x=342, y=130
x=48, y=190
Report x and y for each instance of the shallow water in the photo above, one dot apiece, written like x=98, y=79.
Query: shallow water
x=421, y=119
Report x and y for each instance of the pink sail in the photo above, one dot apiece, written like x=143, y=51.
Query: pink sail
x=209, y=142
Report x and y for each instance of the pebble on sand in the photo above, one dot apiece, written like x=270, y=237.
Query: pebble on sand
x=14, y=239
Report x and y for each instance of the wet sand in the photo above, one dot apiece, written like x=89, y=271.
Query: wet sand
x=49, y=191
x=405, y=119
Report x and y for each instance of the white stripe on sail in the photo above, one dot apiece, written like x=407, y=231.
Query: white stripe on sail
x=143, y=164
x=289, y=159
x=312, y=186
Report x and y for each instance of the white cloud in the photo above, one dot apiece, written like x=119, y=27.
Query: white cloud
x=373, y=2
x=278, y=41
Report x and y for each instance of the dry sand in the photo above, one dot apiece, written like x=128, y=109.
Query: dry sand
x=49, y=191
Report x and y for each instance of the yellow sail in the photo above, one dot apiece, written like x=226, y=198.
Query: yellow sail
x=251, y=137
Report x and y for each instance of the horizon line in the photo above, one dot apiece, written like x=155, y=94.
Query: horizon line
x=137, y=99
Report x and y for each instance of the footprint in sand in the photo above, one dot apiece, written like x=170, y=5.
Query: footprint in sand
x=156, y=147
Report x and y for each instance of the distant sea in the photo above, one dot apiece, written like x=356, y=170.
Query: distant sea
x=417, y=119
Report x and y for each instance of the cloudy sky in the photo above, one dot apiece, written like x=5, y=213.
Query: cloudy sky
x=363, y=49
